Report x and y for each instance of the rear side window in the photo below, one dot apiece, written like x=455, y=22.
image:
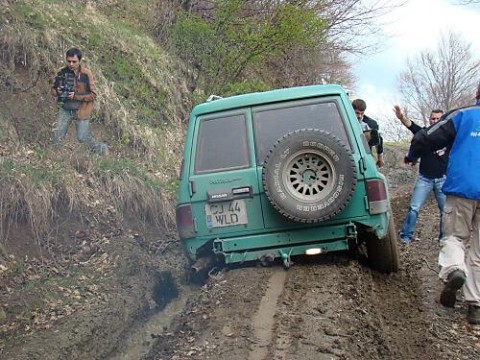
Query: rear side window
x=222, y=144
x=271, y=124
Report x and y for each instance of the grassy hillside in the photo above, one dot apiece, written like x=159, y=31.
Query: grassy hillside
x=141, y=111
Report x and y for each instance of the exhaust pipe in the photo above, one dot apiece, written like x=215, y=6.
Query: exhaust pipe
x=203, y=264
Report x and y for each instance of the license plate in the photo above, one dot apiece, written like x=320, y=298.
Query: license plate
x=228, y=213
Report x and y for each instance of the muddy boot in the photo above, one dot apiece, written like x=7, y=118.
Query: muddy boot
x=473, y=315
x=455, y=281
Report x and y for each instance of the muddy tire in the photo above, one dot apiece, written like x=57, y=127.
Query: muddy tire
x=309, y=175
x=383, y=253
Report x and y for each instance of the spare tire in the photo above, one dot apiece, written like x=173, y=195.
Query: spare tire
x=309, y=175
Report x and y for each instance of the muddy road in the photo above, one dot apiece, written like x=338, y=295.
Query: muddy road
x=330, y=307
x=324, y=307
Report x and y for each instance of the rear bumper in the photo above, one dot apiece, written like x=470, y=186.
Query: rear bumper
x=285, y=244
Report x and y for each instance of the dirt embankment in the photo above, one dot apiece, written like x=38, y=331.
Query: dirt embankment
x=327, y=307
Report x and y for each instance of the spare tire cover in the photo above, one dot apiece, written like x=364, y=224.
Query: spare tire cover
x=309, y=175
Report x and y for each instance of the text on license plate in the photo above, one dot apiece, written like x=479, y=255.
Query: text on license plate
x=228, y=213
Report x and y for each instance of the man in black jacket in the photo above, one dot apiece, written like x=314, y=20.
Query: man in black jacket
x=431, y=177
x=368, y=123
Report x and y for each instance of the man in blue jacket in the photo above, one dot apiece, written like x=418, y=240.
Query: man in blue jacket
x=458, y=130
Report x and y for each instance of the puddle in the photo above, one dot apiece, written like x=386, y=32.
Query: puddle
x=171, y=301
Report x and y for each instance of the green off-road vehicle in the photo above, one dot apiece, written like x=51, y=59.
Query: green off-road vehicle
x=279, y=173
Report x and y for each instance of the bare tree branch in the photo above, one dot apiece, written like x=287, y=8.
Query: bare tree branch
x=445, y=78
x=353, y=22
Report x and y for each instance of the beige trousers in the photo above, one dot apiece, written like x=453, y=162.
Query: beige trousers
x=461, y=226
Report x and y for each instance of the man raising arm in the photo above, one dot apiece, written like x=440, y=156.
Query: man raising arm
x=431, y=177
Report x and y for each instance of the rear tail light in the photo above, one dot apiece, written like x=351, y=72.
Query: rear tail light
x=185, y=222
x=377, y=196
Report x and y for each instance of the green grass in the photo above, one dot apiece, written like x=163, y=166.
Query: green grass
x=28, y=14
x=127, y=167
x=141, y=101
x=39, y=175
x=36, y=173
x=7, y=165
x=2, y=133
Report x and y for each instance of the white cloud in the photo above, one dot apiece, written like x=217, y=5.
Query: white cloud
x=416, y=26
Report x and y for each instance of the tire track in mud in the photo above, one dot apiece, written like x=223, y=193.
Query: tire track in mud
x=264, y=318
x=330, y=307
x=308, y=313
x=339, y=309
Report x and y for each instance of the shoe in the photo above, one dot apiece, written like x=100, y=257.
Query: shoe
x=473, y=315
x=103, y=149
x=455, y=281
x=405, y=240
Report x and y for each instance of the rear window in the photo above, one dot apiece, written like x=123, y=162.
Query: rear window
x=222, y=144
x=271, y=124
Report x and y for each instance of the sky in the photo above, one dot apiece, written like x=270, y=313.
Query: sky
x=414, y=27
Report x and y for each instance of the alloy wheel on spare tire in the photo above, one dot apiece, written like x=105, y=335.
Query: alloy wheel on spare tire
x=309, y=175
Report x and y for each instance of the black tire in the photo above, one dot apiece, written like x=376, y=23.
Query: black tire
x=309, y=175
x=383, y=253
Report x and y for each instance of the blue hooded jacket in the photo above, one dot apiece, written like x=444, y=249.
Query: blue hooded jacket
x=459, y=131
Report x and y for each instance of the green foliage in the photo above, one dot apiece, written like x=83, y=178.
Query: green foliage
x=246, y=86
x=195, y=40
x=237, y=41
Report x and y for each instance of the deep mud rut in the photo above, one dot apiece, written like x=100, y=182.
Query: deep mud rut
x=325, y=307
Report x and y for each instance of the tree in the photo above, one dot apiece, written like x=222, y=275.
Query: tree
x=351, y=23
x=221, y=44
x=445, y=78
x=272, y=43
x=349, y=26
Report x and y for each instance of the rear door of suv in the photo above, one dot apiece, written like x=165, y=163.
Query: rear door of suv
x=223, y=178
